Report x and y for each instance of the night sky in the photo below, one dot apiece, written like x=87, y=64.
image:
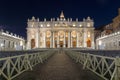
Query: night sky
x=14, y=13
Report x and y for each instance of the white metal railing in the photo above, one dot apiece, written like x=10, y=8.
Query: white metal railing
x=106, y=67
x=10, y=67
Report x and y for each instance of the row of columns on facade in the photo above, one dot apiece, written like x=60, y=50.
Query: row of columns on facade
x=52, y=44
x=52, y=41
x=8, y=45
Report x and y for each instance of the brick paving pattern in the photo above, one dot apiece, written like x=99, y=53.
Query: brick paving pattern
x=58, y=67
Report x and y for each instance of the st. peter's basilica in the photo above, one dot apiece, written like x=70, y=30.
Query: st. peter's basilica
x=60, y=33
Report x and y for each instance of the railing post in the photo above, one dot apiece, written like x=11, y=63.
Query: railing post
x=86, y=61
x=28, y=62
x=8, y=69
x=102, y=72
x=19, y=69
x=78, y=57
x=116, y=73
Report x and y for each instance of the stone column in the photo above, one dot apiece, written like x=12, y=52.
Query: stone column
x=10, y=45
x=117, y=43
x=77, y=44
x=64, y=40
x=58, y=40
x=6, y=44
x=53, y=41
x=85, y=36
x=1, y=44
x=44, y=39
x=36, y=39
x=28, y=40
x=92, y=41
x=69, y=39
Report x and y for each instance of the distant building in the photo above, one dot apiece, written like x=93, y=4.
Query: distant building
x=10, y=41
x=109, y=38
x=58, y=33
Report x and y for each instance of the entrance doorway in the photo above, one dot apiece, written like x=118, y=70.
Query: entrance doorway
x=74, y=44
x=32, y=43
x=61, y=44
x=88, y=43
x=48, y=44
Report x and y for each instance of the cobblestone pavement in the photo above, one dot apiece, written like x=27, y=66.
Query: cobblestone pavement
x=58, y=67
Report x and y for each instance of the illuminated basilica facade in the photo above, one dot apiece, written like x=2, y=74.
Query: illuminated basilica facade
x=60, y=33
